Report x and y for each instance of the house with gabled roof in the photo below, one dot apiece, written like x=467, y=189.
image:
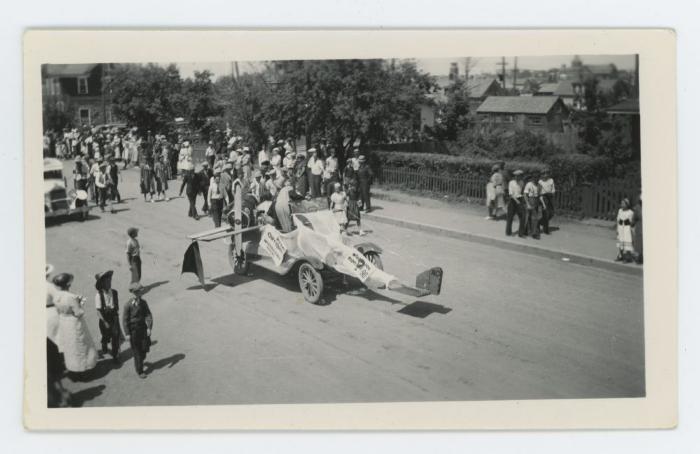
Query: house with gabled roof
x=78, y=90
x=533, y=113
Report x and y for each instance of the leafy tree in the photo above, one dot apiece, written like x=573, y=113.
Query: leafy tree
x=148, y=96
x=453, y=114
x=243, y=102
x=197, y=99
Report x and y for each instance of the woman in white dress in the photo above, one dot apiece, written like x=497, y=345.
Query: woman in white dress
x=74, y=339
x=625, y=220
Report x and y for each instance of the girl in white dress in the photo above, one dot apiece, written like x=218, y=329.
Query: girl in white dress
x=338, y=206
x=625, y=220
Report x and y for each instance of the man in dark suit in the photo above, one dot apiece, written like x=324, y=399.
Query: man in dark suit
x=365, y=176
x=138, y=322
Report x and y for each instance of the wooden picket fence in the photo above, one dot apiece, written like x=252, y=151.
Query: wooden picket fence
x=598, y=200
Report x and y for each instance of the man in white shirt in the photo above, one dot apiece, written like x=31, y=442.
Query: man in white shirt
x=516, y=204
x=316, y=168
x=531, y=193
x=546, y=184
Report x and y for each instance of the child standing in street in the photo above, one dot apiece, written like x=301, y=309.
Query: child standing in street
x=138, y=322
x=133, y=254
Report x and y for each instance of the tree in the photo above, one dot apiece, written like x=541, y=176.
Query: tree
x=243, y=102
x=148, y=96
x=198, y=99
x=453, y=113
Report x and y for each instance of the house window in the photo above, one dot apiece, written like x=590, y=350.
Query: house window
x=84, y=115
x=509, y=119
x=536, y=120
x=82, y=86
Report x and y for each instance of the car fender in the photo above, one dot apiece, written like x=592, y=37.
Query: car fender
x=368, y=247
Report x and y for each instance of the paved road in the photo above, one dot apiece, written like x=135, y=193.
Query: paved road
x=507, y=326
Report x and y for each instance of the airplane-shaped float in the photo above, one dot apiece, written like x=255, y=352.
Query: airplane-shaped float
x=314, y=249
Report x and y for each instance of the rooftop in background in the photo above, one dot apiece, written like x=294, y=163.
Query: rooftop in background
x=626, y=107
x=518, y=104
x=78, y=70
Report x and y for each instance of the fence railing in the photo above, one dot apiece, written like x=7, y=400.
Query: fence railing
x=597, y=200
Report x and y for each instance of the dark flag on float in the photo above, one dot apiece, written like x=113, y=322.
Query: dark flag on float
x=192, y=262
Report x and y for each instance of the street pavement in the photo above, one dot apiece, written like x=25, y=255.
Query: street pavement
x=507, y=325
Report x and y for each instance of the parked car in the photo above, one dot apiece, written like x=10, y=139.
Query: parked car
x=58, y=200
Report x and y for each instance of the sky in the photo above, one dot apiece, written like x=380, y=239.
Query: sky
x=439, y=66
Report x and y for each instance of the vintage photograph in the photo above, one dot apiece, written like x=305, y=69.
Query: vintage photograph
x=343, y=230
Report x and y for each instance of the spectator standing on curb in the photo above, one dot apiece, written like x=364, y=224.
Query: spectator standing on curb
x=338, y=206
x=365, y=176
x=495, y=194
x=138, y=322
x=101, y=187
x=133, y=254
x=532, y=206
x=546, y=185
x=625, y=220
x=316, y=168
x=637, y=234
x=107, y=305
x=515, y=204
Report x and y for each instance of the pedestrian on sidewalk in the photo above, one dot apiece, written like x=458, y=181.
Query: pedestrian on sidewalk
x=133, y=254
x=516, y=204
x=365, y=177
x=637, y=237
x=138, y=322
x=532, y=206
x=546, y=186
x=107, y=305
x=189, y=184
x=495, y=194
x=625, y=220
x=316, y=168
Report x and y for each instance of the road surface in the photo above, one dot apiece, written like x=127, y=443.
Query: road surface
x=506, y=326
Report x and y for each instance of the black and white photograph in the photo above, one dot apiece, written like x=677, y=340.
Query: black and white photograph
x=343, y=231
x=406, y=237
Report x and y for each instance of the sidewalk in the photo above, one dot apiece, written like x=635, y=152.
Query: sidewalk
x=570, y=241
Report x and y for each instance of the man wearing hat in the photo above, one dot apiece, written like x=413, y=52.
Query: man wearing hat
x=138, y=322
x=191, y=187
x=516, y=204
x=257, y=186
x=365, y=176
x=226, y=181
x=204, y=177
x=107, y=305
x=210, y=153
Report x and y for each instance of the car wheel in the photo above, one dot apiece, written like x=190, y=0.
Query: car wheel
x=310, y=283
x=375, y=259
x=238, y=260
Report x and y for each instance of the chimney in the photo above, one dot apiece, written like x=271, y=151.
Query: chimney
x=454, y=71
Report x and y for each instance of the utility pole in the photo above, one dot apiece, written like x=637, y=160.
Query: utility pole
x=503, y=65
x=515, y=72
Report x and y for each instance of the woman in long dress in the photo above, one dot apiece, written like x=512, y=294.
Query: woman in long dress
x=74, y=339
x=625, y=220
x=338, y=207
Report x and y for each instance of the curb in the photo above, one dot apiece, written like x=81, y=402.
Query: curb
x=509, y=245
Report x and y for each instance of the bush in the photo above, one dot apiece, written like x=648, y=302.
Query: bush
x=572, y=168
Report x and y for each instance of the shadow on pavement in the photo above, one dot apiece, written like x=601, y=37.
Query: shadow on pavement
x=206, y=287
x=422, y=309
x=77, y=399
x=149, y=287
x=168, y=362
